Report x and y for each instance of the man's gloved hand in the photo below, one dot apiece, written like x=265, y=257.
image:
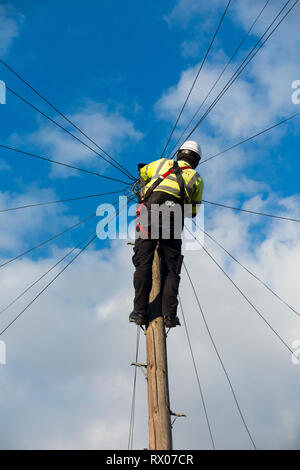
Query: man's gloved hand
x=140, y=165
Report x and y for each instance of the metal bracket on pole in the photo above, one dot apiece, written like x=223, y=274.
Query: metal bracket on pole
x=141, y=366
x=177, y=415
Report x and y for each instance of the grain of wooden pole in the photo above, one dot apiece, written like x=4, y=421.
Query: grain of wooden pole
x=159, y=418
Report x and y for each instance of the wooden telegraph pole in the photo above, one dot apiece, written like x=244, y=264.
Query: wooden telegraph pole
x=159, y=417
x=159, y=413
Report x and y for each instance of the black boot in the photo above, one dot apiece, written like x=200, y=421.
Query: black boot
x=137, y=318
x=171, y=322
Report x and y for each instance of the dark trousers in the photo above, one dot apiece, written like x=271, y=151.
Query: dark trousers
x=170, y=252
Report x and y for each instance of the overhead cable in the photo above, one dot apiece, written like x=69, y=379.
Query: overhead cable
x=274, y=216
x=250, y=138
x=220, y=359
x=28, y=154
x=67, y=131
x=62, y=114
x=197, y=75
x=219, y=77
x=197, y=376
x=28, y=206
x=243, y=295
x=243, y=65
x=58, y=274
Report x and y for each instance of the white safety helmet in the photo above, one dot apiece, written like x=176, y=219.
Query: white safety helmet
x=191, y=152
x=193, y=146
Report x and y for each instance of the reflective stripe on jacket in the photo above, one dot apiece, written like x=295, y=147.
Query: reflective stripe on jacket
x=193, y=182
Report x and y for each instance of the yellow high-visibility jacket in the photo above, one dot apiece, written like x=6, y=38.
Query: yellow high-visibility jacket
x=192, y=181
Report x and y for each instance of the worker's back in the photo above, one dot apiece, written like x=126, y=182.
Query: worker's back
x=193, y=183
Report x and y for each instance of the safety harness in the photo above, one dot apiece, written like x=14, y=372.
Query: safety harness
x=177, y=170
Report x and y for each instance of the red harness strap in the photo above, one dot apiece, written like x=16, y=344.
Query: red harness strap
x=138, y=213
x=172, y=171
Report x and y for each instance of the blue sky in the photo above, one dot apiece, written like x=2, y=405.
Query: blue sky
x=123, y=63
x=121, y=70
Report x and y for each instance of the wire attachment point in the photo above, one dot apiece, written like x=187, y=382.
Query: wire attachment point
x=176, y=415
x=141, y=366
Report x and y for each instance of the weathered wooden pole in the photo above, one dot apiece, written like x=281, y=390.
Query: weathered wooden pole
x=159, y=418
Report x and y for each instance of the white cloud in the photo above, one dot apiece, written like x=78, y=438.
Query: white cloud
x=110, y=130
x=199, y=20
x=262, y=93
x=250, y=352
x=21, y=226
x=10, y=20
x=73, y=365
x=68, y=382
x=186, y=10
x=261, y=96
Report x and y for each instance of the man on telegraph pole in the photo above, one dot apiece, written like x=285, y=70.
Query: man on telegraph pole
x=172, y=190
